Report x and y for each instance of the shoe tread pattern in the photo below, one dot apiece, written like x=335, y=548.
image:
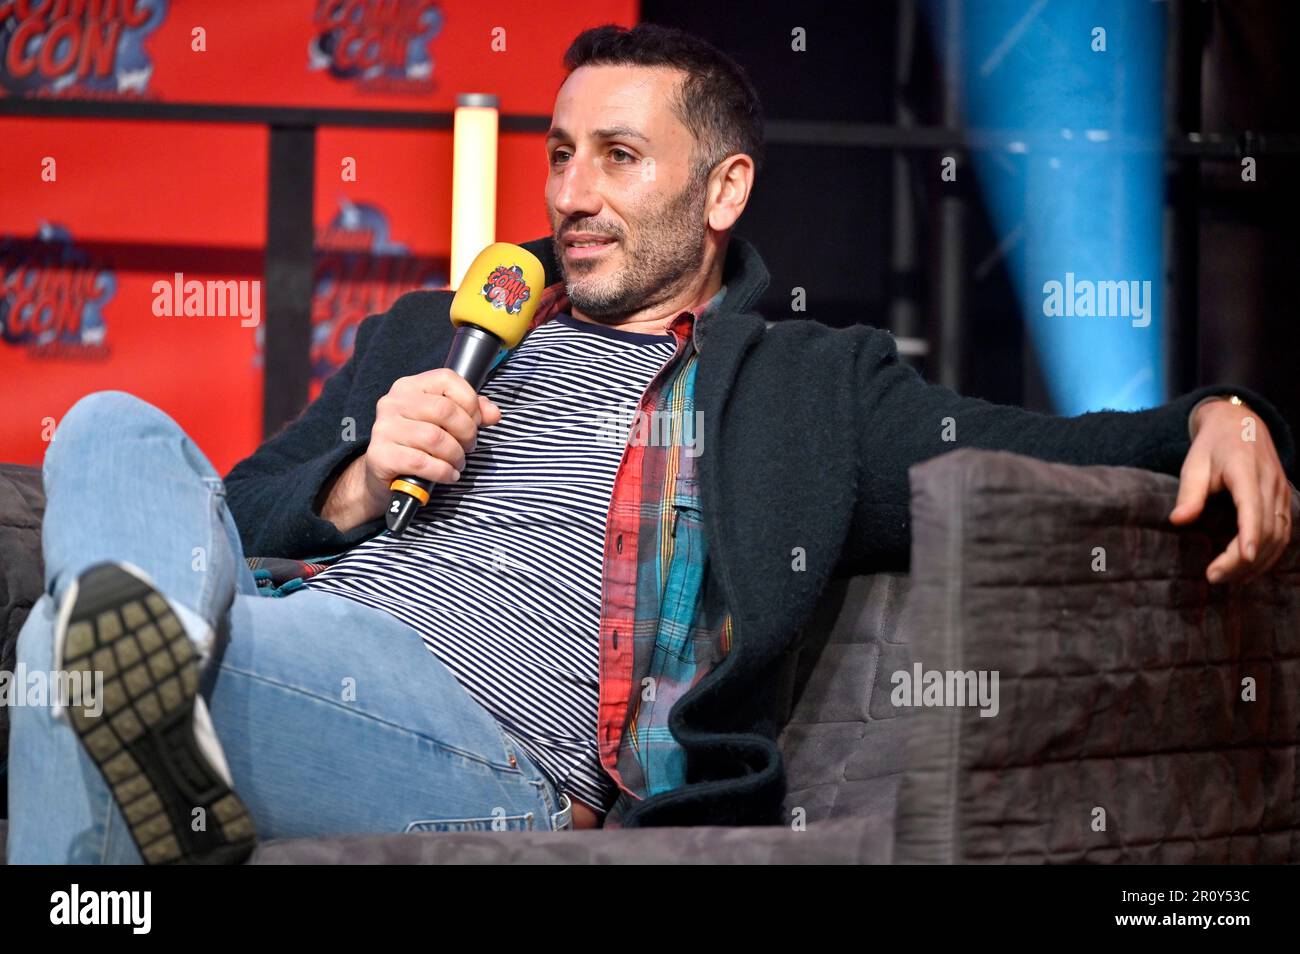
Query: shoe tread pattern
x=141, y=734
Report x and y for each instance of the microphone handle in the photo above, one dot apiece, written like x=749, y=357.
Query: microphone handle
x=471, y=355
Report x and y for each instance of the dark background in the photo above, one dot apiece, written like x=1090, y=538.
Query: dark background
x=822, y=214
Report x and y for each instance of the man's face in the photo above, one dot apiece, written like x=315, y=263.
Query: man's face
x=620, y=163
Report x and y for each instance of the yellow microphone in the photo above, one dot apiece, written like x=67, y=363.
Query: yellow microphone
x=492, y=309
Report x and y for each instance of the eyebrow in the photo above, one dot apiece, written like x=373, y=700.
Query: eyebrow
x=609, y=132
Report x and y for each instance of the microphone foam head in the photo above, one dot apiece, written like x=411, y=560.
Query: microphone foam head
x=500, y=292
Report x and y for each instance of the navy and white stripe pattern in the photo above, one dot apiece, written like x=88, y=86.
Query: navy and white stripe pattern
x=501, y=571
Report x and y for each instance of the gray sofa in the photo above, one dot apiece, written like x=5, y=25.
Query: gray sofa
x=1121, y=733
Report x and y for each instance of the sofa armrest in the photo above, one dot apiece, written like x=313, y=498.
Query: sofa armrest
x=22, y=571
x=1144, y=714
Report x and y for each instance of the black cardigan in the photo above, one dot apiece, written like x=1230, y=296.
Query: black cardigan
x=808, y=434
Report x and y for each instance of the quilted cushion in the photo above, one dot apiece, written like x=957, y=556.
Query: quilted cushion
x=1122, y=733
x=22, y=504
x=842, y=841
x=843, y=743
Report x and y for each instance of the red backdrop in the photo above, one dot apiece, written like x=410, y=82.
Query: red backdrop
x=94, y=212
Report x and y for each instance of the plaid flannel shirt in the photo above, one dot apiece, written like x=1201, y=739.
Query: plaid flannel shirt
x=653, y=587
x=662, y=628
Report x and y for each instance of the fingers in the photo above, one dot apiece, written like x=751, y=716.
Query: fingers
x=388, y=459
x=1276, y=519
x=1239, y=558
x=1227, y=565
x=430, y=439
x=1193, y=487
x=426, y=425
x=444, y=398
x=444, y=413
x=489, y=413
x=1260, y=493
x=411, y=462
x=1284, y=505
x=1278, y=534
x=1275, y=536
x=444, y=382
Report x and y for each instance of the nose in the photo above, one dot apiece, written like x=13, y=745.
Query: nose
x=576, y=195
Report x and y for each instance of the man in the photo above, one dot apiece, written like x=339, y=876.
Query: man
x=571, y=624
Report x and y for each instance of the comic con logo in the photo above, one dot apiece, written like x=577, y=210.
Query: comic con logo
x=507, y=288
x=52, y=298
x=382, y=45
x=359, y=270
x=77, y=47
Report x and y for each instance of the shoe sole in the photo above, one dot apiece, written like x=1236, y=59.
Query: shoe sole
x=142, y=739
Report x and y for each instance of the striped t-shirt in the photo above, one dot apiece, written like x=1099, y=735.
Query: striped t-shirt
x=501, y=571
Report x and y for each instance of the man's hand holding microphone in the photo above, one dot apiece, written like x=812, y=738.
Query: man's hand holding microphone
x=424, y=427
x=427, y=423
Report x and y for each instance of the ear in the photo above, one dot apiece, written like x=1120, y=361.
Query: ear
x=729, y=188
x=544, y=249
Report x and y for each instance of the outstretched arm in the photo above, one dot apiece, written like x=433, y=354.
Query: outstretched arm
x=904, y=420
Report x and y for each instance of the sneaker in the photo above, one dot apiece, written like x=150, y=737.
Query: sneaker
x=150, y=734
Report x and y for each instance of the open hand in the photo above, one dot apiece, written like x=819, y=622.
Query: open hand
x=1224, y=457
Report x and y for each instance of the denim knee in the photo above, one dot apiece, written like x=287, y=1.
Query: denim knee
x=93, y=412
x=100, y=413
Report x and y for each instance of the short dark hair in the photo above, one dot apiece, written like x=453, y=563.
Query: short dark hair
x=716, y=101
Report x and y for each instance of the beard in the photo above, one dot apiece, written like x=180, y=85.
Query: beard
x=667, y=247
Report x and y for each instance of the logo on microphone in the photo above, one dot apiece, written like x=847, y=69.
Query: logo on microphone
x=507, y=289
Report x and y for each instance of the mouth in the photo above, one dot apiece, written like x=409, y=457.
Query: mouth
x=588, y=246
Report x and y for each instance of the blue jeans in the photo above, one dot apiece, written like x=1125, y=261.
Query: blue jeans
x=334, y=716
